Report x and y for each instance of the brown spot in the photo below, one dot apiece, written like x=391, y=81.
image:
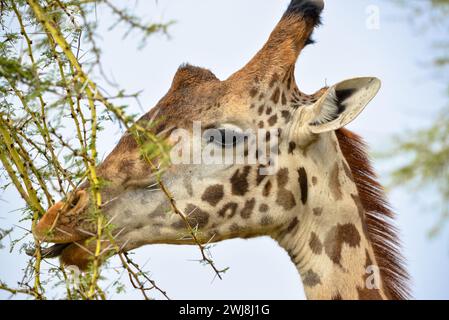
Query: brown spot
x=253, y=92
x=315, y=244
x=337, y=237
x=334, y=183
x=317, y=211
x=314, y=181
x=260, y=177
x=286, y=115
x=284, y=99
x=273, y=120
x=269, y=111
x=293, y=224
x=291, y=147
x=267, y=189
x=286, y=199
x=264, y=208
x=229, y=210
x=261, y=124
x=266, y=221
x=261, y=109
x=195, y=217
x=276, y=95
x=282, y=177
x=311, y=279
x=248, y=209
x=239, y=181
x=213, y=194
x=369, y=294
x=303, y=184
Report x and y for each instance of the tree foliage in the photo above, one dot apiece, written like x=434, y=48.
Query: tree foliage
x=51, y=113
x=427, y=149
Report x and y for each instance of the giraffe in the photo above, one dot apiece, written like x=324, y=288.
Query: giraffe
x=322, y=203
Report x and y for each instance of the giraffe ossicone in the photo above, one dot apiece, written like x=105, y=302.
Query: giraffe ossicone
x=321, y=202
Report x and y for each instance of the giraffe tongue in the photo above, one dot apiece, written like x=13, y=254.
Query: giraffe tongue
x=50, y=252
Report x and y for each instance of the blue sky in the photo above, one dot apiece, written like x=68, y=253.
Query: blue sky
x=223, y=36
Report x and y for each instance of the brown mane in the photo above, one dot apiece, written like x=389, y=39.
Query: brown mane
x=378, y=215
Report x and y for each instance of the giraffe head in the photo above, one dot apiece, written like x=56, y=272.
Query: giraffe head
x=292, y=181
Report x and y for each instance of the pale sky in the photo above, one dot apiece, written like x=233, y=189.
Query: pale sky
x=223, y=36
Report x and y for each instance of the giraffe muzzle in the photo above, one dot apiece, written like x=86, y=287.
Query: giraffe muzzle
x=60, y=223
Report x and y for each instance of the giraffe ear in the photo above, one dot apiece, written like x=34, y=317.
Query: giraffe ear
x=342, y=103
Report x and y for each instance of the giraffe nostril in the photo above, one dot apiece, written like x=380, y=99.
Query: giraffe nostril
x=74, y=201
x=77, y=200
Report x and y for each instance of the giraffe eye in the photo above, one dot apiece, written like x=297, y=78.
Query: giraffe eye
x=225, y=137
x=230, y=138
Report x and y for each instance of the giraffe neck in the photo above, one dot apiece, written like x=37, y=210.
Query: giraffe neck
x=335, y=259
x=328, y=238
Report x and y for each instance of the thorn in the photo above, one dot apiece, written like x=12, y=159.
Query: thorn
x=84, y=248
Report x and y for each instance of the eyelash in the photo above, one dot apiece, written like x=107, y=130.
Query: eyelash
x=225, y=136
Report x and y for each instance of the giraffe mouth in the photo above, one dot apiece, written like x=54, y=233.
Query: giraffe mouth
x=70, y=254
x=58, y=228
x=51, y=252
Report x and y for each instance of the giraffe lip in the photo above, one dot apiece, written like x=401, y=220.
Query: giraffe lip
x=53, y=251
